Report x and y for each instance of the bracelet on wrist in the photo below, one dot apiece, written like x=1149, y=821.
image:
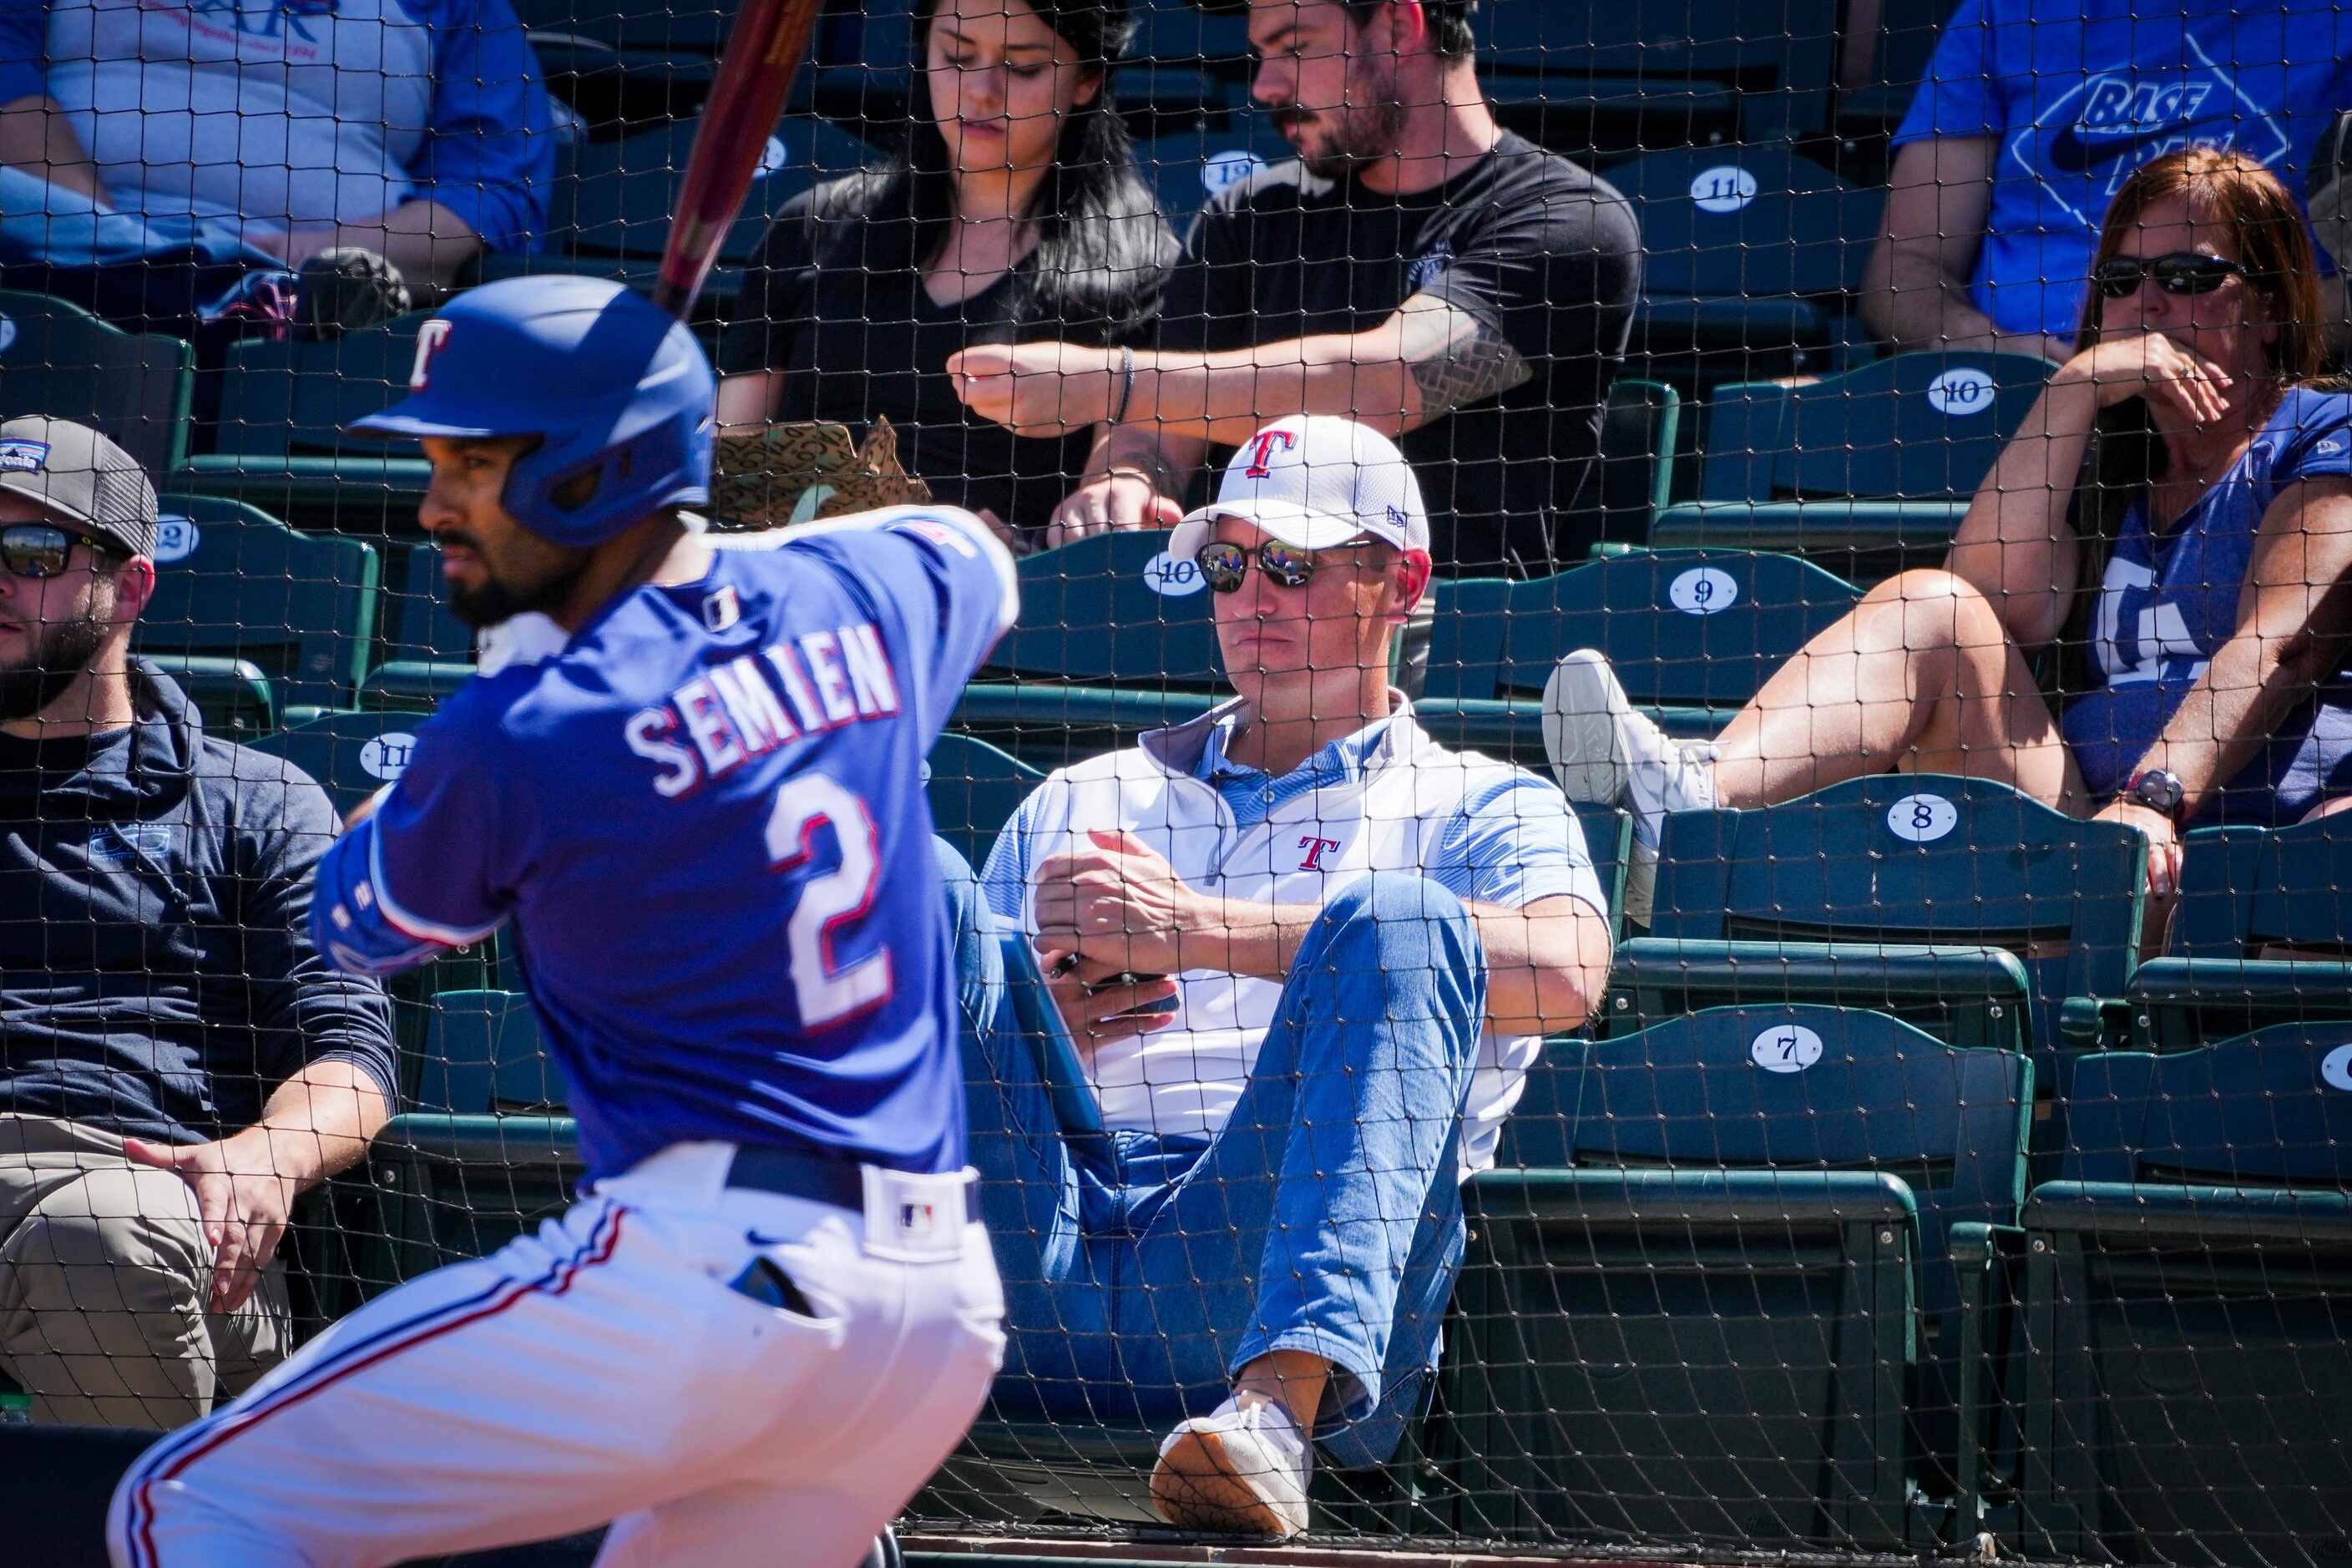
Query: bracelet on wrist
x=1125, y=382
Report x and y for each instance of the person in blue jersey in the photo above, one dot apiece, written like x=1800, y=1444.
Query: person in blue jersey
x=2170, y=528
x=695, y=798
x=2034, y=113
x=1302, y=956
x=371, y=148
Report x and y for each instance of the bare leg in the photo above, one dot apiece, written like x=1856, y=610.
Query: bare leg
x=1921, y=678
x=1244, y=1468
x=1294, y=1379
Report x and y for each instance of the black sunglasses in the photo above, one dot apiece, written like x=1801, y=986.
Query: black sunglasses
x=38, y=550
x=2181, y=272
x=1226, y=565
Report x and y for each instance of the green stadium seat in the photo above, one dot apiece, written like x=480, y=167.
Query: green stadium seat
x=280, y=444
x=352, y=755
x=1608, y=839
x=2263, y=935
x=1981, y=915
x=621, y=195
x=1749, y=257
x=1873, y=107
x=694, y=26
x=1175, y=32
x=1791, y=1302
x=610, y=88
x=238, y=592
x=1115, y=637
x=57, y=359
x=2188, y=1388
x=1658, y=1370
x=1867, y=472
x=486, y=1153
x=1695, y=634
x=482, y=1056
x=1657, y=73
x=1641, y=437
x=973, y=789
x=615, y=201
x=449, y=1187
x=1188, y=165
x=432, y=651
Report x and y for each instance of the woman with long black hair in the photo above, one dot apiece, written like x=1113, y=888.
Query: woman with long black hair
x=1014, y=213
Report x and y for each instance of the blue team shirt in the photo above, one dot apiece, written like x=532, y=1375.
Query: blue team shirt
x=2166, y=605
x=705, y=820
x=267, y=109
x=2077, y=96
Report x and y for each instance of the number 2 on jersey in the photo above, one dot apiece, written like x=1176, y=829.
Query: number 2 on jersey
x=805, y=804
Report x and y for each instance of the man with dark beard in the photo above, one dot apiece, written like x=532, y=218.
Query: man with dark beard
x=176, y=1064
x=1418, y=270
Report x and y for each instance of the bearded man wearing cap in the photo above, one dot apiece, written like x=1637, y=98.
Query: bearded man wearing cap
x=176, y=1063
x=1304, y=955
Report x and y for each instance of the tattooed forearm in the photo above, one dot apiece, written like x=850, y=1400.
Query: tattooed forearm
x=1455, y=358
x=1137, y=447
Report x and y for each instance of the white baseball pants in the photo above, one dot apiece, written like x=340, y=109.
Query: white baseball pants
x=607, y=1369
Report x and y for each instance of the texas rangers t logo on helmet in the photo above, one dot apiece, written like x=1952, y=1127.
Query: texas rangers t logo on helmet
x=431, y=339
x=1262, y=451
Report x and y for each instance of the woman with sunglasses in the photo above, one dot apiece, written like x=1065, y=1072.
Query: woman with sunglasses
x=2137, y=620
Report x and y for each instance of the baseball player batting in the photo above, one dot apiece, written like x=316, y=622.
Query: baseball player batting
x=772, y=1313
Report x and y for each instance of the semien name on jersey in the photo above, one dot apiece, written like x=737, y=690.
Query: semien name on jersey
x=750, y=705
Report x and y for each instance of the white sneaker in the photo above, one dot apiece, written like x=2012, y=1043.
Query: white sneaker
x=1602, y=751
x=1241, y=1471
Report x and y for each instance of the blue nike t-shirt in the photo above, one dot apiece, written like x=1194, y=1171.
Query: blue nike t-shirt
x=2168, y=602
x=2078, y=96
x=705, y=818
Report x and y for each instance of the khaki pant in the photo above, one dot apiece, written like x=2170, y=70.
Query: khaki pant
x=104, y=1270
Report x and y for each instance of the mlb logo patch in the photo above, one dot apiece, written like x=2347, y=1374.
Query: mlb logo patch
x=917, y=1219
x=24, y=457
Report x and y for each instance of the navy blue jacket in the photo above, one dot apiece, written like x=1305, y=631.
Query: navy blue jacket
x=156, y=972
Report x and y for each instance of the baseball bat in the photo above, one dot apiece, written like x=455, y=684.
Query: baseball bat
x=755, y=73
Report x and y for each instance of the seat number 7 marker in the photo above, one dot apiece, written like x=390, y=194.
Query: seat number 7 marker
x=828, y=995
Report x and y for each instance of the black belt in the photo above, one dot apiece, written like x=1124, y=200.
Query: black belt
x=796, y=1173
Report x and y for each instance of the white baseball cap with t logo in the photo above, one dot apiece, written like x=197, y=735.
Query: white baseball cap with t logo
x=1314, y=481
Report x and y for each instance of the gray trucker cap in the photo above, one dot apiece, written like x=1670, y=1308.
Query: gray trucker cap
x=80, y=477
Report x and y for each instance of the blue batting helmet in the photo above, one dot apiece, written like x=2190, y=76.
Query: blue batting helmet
x=620, y=395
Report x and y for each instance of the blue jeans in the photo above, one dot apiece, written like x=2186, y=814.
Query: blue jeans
x=1140, y=1273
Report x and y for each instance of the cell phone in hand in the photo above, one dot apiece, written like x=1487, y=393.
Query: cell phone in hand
x=1127, y=977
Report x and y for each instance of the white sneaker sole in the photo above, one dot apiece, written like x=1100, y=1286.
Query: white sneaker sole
x=1197, y=1486
x=1582, y=703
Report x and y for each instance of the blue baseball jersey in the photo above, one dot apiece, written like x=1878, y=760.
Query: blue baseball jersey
x=705, y=818
x=2077, y=94
x=2167, y=604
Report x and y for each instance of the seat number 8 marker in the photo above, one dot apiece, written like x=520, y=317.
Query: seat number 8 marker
x=1922, y=818
x=829, y=899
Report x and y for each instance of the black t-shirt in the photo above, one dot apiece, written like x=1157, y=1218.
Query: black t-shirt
x=833, y=300
x=1529, y=242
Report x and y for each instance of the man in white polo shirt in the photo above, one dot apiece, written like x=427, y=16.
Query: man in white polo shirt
x=1305, y=955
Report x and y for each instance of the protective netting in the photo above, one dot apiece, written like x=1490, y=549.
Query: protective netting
x=1882, y=464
